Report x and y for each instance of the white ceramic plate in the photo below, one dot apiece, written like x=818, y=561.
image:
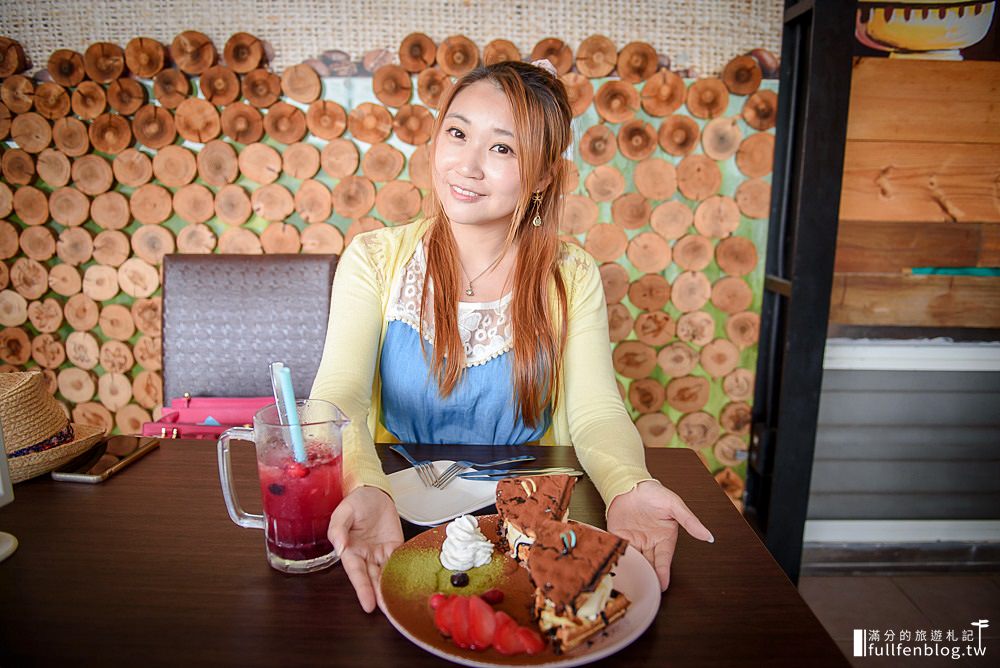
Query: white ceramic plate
x=634, y=577
x=429, y=506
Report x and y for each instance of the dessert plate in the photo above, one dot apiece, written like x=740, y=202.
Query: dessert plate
x=634, y=577
x=429, y=506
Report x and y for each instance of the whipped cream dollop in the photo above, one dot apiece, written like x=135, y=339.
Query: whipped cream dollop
x=465, y=546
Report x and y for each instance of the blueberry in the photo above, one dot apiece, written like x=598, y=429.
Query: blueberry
x=459, y=579
x=276, y=489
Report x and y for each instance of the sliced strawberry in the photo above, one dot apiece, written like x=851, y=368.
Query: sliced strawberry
x=506, y=639
x=460, y=621
x=442, y=616
x=297, y=470
x=493, y=596
x=436, y=600
x=482, y=623
x=503, y=618
x=533, y=643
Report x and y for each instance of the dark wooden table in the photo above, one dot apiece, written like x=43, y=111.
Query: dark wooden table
x=147, y=569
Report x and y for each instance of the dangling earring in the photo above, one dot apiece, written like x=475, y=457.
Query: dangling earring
x=537, y=220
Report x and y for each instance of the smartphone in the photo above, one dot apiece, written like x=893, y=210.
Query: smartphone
x=106, y=459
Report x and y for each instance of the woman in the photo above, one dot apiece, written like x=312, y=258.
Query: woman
x=477, y=325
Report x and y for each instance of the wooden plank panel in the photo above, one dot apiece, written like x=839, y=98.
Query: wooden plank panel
x=989, y=246
x=882, y=247
x=915, y=301
x=921, y=182
x=925, y=100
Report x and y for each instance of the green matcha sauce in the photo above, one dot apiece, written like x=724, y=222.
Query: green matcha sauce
x=420, y=571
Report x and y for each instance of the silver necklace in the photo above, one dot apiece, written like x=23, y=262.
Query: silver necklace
x=469, y=290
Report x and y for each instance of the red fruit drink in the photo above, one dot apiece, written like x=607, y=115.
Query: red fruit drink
x=298, y=501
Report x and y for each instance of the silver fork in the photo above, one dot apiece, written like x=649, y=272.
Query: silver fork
x=424, y=468
x=457, y=467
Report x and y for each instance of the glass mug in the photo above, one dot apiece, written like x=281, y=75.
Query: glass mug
x=298, y=497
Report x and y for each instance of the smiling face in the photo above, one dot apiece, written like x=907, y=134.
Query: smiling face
x=475, y=167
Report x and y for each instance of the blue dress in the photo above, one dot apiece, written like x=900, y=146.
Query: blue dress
x=481, y=409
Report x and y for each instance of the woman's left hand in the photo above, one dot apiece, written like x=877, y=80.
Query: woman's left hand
x=647, y=517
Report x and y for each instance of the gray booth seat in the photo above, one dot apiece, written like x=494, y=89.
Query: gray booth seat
x=226, y=317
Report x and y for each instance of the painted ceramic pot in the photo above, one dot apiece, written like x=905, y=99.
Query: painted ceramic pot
x=925, y=29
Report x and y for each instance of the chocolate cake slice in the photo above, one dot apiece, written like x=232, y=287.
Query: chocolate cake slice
x=571, y=564
x=526, y=503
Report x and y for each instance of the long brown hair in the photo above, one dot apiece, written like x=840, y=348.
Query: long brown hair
x=542, y=125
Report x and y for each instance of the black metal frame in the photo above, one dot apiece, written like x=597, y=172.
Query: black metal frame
x=815, y=80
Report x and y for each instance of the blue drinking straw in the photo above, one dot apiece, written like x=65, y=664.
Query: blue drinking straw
x=284, y=398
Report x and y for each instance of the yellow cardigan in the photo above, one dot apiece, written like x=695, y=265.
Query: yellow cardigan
x=590, y=414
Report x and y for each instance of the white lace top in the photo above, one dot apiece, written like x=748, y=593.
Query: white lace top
x=480, y=409
x=485, y=327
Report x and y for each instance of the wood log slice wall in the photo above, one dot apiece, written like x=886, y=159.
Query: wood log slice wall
x=114, y=157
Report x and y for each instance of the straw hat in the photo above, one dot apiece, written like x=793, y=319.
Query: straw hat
x=37, y=436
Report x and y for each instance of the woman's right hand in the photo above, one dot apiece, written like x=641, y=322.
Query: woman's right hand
x=364, y=530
